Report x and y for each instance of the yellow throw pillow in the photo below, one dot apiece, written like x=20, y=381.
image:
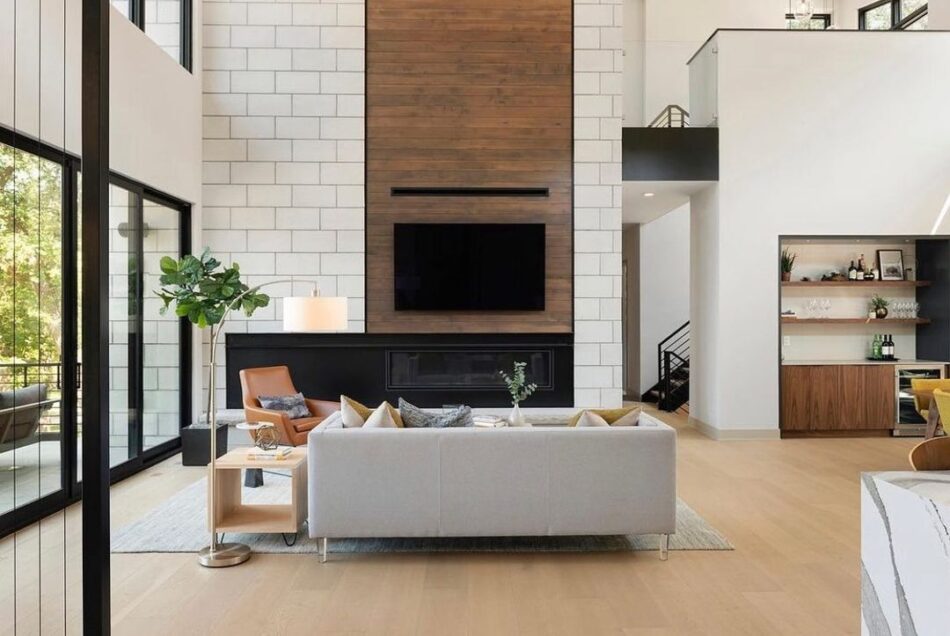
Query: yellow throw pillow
x=609, y=415
x=351, y=410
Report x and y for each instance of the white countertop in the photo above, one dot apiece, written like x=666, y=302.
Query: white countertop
x=901, y=362
x=933, y=485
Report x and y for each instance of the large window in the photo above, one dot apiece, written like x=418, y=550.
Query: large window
x=40, y=363
x=166, y=22
x=817, y=22
x=887, y=15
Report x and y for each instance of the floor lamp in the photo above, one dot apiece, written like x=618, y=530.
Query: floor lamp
x=301, y=314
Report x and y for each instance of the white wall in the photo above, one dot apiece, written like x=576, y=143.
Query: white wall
x=664, y=285
x=661, y=35
x=283, y=141
x=809, y=145
x=155, y=104
x=939, y=17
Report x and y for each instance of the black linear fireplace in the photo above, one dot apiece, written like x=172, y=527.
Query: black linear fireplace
x=429, y=370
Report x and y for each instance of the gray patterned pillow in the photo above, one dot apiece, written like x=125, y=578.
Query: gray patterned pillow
x=293, y=405
x=414, y=417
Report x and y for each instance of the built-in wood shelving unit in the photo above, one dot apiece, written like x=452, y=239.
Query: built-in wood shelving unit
x=856, y=284
x=790, y=320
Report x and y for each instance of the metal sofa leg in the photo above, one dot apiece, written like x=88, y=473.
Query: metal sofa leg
x=664, y=547
x=324, y=545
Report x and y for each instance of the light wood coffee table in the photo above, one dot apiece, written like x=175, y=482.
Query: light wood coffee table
x=233, y=515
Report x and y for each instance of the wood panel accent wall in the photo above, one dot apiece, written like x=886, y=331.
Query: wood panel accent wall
x=469, y=93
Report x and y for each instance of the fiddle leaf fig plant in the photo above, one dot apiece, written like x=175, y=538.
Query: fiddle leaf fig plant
x=203, y=290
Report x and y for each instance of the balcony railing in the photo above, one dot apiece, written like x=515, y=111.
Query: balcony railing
x=20, y=375
x=672, y=116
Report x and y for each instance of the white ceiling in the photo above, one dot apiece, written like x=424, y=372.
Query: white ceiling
x=667, y=196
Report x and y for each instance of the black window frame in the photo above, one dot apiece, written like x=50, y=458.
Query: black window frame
x=824, y=17
x=70, y=490
x=899, y=22
x=137, y=17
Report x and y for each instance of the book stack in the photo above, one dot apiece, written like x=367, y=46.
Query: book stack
x=277, y=453
x=488, y=421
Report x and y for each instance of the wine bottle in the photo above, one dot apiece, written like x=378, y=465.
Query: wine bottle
x=861, y=265
x=888, y=347
x=852, y=272
x=876, y=347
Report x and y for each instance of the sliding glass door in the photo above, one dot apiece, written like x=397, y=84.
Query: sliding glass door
x=40, y=363
x=31, y=319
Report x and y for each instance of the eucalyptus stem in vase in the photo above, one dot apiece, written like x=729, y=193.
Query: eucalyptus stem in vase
x=520, y=390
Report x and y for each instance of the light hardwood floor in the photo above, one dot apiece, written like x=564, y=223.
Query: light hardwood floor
x=790, y=507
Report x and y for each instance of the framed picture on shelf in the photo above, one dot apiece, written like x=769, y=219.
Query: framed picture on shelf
x=891, y=264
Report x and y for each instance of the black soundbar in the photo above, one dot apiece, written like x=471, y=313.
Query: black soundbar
x=467, y=192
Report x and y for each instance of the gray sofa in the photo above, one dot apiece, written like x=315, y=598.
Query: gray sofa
x=469, y=482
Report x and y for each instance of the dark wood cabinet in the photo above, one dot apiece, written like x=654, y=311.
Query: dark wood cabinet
x=837, y=400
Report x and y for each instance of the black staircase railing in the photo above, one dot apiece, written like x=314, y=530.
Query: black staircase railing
x=672, y=360
x=672, y=116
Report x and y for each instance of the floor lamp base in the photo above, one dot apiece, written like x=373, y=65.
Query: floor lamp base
x=226, y=555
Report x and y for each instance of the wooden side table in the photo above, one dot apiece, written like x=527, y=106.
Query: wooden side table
x=233, y=515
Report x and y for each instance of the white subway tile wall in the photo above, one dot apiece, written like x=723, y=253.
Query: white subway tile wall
x=283, y=150
x=284, y=162
x=598, y=66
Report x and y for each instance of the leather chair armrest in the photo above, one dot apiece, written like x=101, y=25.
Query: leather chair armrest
x=278, y=418
x=322, y=408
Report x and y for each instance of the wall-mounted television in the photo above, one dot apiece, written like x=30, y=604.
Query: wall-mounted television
x=469, y=266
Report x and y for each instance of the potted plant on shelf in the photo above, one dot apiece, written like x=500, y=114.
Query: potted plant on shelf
x=788, y=262
x=878, y=305
x=520, y=389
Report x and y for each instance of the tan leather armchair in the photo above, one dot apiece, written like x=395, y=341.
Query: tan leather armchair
x=276, y=381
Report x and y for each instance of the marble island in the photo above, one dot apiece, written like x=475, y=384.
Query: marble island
x=905, y=553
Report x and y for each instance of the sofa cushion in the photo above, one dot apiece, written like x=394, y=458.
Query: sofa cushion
x=293, y=405
x=630, y=419
x=414, y=417
x=356, y=414
x=609, y=415
x=381, y=418
x=589, y=418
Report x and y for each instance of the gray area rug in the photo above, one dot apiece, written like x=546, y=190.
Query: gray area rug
x=178, y=525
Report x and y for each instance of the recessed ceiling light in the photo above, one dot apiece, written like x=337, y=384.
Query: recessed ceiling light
x=648, y=194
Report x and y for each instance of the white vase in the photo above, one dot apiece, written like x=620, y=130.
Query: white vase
x=516, y=418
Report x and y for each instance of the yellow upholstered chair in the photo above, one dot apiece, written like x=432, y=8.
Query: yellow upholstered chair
x=923, y=390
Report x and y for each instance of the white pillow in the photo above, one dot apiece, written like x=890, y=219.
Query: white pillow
x=351, y=418
x=334, y=420
x=589, y=418
x=382, y=417
x=630, y=419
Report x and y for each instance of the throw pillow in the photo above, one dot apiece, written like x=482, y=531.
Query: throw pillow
x=293, y=405
x=414, y=417
x=630, y=419
x=609, y=415
x=356, y=414
x=381, y=418
x=589, y=418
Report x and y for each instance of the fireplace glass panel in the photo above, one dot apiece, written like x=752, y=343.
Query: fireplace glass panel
x=471, y=369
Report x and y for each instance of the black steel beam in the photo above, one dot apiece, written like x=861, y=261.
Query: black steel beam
x=670, y=154
x=95, y=316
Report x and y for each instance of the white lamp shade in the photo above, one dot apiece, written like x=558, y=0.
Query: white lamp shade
x=315, y=313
